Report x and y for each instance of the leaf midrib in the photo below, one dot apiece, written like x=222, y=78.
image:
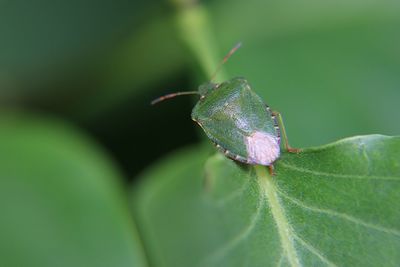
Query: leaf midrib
x=269, y=190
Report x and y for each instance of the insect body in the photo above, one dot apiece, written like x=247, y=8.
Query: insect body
x=237, y=120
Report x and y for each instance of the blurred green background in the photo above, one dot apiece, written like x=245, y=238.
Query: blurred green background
x=76, y=79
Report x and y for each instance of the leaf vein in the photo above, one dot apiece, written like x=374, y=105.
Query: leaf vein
x=343, y=216
x=238, y=192
x=243, y=234
x=338, y=175
x=313, y=250
x=284, y=230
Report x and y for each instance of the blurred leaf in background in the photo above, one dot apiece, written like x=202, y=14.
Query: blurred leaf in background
x=61, y=199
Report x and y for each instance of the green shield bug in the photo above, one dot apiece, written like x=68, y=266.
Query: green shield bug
x=237, y=120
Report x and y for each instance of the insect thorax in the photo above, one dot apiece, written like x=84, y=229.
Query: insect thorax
x=205, y=88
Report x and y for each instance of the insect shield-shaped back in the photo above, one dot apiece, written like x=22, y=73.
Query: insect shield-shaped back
x=236, y=119
x=239, y=123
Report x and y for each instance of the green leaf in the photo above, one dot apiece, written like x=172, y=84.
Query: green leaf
x=335, y=205
x=61, y=202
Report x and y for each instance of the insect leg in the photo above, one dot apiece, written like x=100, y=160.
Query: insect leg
x=271, y=170
x=283, y=133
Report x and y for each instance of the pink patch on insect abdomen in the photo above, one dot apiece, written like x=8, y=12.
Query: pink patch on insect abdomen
x=262, y=148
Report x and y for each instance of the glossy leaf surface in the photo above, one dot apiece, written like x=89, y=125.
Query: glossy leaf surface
x=334, y=205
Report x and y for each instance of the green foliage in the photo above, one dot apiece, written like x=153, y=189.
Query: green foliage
x=61, y=199
x=331, y=69
x=334, y=205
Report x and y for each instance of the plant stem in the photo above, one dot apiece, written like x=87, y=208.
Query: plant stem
x=195, y=30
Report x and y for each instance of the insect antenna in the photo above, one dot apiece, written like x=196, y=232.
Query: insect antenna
x=225, y=59
x=168, y=96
